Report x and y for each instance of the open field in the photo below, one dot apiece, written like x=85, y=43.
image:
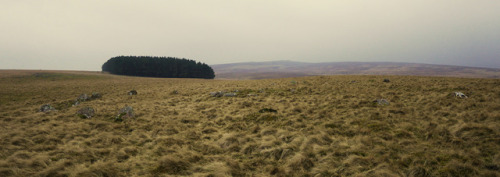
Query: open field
x=324, y=126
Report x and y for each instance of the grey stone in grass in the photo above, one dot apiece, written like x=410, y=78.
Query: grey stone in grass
x=125, y=113
x=217, y=94
x=95, y=95
x=46, y=108
x=86, y=112
x=460, y=95
x=132, y=92
x=83, y=97
x=231, y=94
x=381, y=102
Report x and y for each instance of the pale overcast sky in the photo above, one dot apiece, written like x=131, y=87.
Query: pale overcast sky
x=83, y=34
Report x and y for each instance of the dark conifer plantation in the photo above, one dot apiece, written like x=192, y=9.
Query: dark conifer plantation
x=168, y=67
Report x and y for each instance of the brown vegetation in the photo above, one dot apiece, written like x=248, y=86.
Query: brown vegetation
x=324, y=126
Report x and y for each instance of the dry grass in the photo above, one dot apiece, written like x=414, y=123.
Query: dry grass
x=324, y=126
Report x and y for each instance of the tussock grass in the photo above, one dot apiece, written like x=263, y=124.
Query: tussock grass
x=310, y=126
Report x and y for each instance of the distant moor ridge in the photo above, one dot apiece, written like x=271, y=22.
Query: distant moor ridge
x=166, y=67
x=284, y=69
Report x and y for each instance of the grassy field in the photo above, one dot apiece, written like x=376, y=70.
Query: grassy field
x=323, y=126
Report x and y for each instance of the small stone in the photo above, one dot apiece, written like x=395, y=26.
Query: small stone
x=83, y=97
x=46, y=108
x=268, y=110
x=86, y=112
x=132, y=92
x=230, y=94
x=95, y=95
x=381, y=102
x=460, y=95
x=387, y=80
x=217, y=94
x=125, y=113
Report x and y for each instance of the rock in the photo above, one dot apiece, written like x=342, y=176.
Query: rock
x=217, y=94
x=125, y=113
x=231, y=94
x=381, y=102
x=132, y=92
x=83, y=97
x=460, y=95
x=95, y=95
x=86, y=112
x=387, y=80
x=46, y=108
x=268, y=110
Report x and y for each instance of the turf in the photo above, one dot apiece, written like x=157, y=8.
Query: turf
x=310, y=126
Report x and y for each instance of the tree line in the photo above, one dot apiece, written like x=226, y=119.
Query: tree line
x=148, y=66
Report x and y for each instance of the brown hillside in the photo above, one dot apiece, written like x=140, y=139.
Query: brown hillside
x=284, y=69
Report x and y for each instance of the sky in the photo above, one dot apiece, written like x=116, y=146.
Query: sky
x=83, y=34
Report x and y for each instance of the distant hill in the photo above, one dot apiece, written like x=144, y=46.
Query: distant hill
x=283, y=69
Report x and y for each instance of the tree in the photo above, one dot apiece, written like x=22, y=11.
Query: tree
x=167, y=67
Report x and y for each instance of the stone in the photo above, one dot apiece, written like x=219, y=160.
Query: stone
x=268, y=110
x=95, y=95
x=83, y=97
x=217, y=94
x=125, y=113
x=460, y=95
x=46, y=108
x=132, y=92
x=86, y=112
x=381, y=102
x=231, y=94
x=387, y=80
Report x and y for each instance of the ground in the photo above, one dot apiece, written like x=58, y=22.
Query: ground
x=323, y=126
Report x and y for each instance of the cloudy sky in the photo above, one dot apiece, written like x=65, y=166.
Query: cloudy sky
x=83, y=34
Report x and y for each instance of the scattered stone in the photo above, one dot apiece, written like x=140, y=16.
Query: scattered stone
x=381, y=102
x=251, y=94
x=231, y=94
x=132, y=92
x=83, y=97
x=460, y=95
x=95, y=95
x=125, y=113
x=352, y=82
x=86, y=112
x=268, y=110
x=217, y=94
x=387, y=80
x=46, y=108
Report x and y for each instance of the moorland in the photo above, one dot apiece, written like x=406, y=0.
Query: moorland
x=303, y=126
x=286, y=68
